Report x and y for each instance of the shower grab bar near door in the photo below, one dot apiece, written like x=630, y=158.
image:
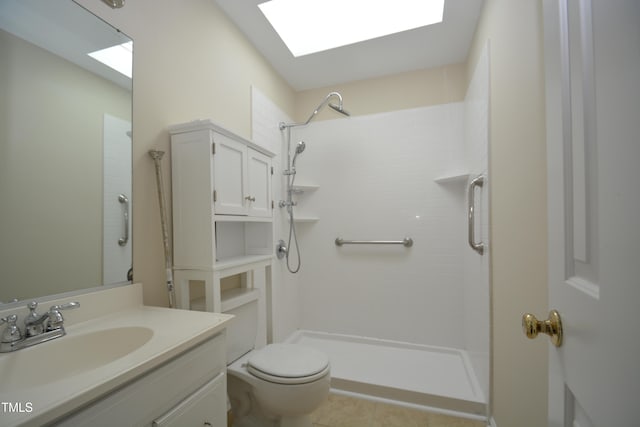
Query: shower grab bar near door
x=477, y=182
x=407, y=241
x=125, y=213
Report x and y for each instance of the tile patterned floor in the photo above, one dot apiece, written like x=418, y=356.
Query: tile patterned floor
x=343, y=411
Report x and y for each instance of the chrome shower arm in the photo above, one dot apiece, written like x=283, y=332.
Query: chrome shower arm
x=324, y=102
x=320, y=106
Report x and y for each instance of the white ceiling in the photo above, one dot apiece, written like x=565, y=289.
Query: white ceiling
x=428, y=47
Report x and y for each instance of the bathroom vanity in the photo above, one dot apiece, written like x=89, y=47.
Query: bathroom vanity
x=120, y=363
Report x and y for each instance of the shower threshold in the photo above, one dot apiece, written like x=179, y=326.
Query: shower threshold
x=424, y=377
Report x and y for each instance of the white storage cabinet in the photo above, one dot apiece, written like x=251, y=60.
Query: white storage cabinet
x=222, y=211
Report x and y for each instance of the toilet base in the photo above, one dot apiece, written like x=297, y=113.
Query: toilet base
x=259, y=403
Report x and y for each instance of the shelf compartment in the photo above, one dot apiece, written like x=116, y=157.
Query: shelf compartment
x=241, y=218
x=244, y=262
x=236, y=297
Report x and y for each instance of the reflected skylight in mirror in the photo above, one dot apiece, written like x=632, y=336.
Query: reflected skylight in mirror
x=119, y=57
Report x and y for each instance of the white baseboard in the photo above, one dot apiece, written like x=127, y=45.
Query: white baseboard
x=492, y=423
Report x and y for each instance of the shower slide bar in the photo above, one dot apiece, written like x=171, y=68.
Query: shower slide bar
x=407, y=241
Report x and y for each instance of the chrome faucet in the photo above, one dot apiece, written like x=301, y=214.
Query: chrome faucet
x=34, y=323
x=38, y=328
x=11, y=334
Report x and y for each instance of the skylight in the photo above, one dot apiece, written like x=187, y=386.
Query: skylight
x=309, y=26
x=118, y=57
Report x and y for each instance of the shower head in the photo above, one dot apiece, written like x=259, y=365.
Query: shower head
x=339, y=109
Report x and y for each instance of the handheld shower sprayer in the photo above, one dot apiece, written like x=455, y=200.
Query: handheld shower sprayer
x=292, y=168
x=290, y=174
x=299, y=149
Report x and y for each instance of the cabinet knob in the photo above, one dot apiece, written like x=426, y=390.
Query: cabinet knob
x=250, y=198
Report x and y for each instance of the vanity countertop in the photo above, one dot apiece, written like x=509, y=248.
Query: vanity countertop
x=166, y=334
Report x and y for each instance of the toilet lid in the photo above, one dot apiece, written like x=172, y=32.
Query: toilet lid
x=288, y=364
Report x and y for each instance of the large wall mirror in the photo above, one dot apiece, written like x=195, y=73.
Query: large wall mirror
x=65, y=151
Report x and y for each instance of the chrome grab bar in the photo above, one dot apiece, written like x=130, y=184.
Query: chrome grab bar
x=477, y=182
x=125, y=201
x=407, y=241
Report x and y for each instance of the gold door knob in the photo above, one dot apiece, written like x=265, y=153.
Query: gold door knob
x=552, y=327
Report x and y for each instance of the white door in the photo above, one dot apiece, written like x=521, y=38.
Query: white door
x=592, y=61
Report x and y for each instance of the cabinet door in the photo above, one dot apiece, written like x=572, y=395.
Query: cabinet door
x=205, y=407
x=230, y=176
x=259, y=167
x=169, y=386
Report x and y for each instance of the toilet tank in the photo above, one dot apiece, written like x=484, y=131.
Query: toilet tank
x=243, y=328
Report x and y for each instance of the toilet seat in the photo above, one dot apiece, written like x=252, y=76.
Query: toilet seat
x=288, y=364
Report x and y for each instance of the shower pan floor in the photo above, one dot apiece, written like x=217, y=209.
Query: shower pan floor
x=434, y=378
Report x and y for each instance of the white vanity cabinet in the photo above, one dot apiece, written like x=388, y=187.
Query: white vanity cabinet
x=189, y=390
x=222, y=213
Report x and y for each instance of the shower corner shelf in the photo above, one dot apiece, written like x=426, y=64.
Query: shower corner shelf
x=304, y=188
x=452, y=178
x=305, y=219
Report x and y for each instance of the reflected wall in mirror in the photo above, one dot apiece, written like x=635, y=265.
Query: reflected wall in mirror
x=65, y=152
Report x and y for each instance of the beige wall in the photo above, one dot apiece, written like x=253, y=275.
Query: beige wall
x=413, y=89
x=51, y=132
x=517, y=165
x=190, y=63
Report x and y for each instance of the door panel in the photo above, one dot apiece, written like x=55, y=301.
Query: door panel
x=259, y=167
x=230, y=178
x=592, y=65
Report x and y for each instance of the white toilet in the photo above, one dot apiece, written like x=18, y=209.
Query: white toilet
x=278, y=385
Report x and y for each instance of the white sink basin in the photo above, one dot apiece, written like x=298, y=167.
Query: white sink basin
x=69, y=355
